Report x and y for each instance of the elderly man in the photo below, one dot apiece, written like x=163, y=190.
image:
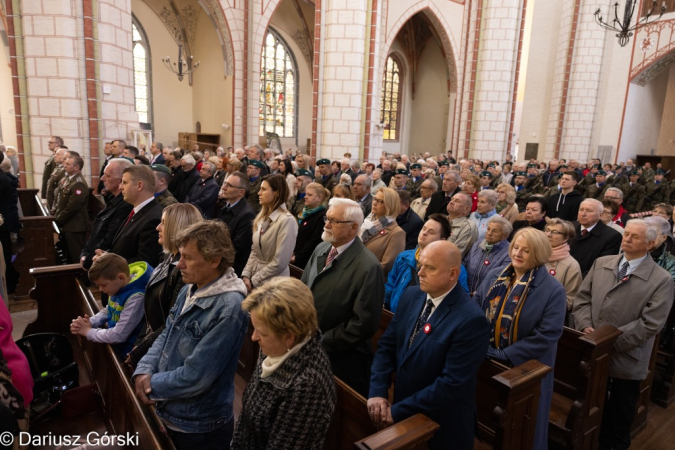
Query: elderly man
x=439, y=200
x=100, y=188
x=70, y=208
x=189, y=370
x=254, y=172
x=387, y=172
x=420, y=204
x=632, y=293
x=488, y=253
x=188, y=179
x=435, y=345
x=111, y=218
x=349, y=316
x=487, y=201
x=550, y=177
x=593, y=238
x=157, y=150
x=238, y=216
x=535, y=215
x=463, y=231
x=408, y=220
x=361, y=190
x=136, y=240
x=615, y=195
x=205, y=192
x=50, y=165
x=56, y=176
x=565, y=203
x=378, y=183
x=162, y=179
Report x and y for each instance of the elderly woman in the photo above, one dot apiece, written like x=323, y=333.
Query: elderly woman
x=609, y=210
x=561, y=264
x=274, y=233
x=663, y=210
x=290, y=399
x=311, y=220
x=471, y=186
x=221, y=166
x=487, y=200
x=166, y=280
x=506, y=203
x=526, y=308
x=488, y=253
x=377, y=181
x=380, y=233
x=660, y=250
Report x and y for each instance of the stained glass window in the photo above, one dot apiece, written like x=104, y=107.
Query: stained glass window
x=391, y=100
x=141, y=74
x=278, y=87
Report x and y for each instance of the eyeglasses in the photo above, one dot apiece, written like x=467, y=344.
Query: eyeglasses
x=233, y=186
x=333, y=222
x=612, y=198
x=377, y=201
x=550, y=231
x=607, y=212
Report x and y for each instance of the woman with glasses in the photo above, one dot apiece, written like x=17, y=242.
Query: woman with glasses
x=506, y=202
x=380, y=233
x=609, y=210
x=274, y=233
x=664, y=210
x=561, y=264
x=311, y=221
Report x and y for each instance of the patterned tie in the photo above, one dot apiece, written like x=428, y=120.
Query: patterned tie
x=131, y=214
x=584, y=233
x=331, y=256
x=421, y=321
x=623, y=271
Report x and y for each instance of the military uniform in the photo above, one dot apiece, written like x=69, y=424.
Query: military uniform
x=596, y=192
x=534, y=185
x=329, y=183
x=52, y=186
x=298, y=205
x=588, y=180
x=647, y=176
x=521, y=198
x=50, y=166
x=413, y=187
x=633, y=197
x=655, y=194
x=496, y=181
x=70, y=214
x=166, y=199
x=671, y=185
x=252, y=198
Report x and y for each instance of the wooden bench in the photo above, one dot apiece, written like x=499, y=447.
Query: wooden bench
x=581, y=371
x=60, y=298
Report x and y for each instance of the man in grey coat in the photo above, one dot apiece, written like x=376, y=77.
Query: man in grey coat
x=634, y=294
x=348, y=286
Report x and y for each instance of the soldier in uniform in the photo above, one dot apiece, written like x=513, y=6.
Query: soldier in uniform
x=522, y=194
x=589, y=179
x=302, y=178
x=326, y=179
x=71, y=209
x=648, y=175
x=496, y=175
x=51, y=164
x=442, y=168
x=533, y=184
x=656, y=191
x=55, y=177
x=162, y=179
x=253, y=171
x=485, y=180
x=598, y=189
x=401, y=178
x=415, y=182
x=633, y=193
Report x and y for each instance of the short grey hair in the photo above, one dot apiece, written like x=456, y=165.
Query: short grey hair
x=454, y=175
x=367, y=181
x=432, y=184
x=596, y=203
x=651, y=230
x=661, y=224
x=491, y=196
x=353, y=211
x=507, y=227
x=211, y=166
x=617, y=191
x=120, y=164
x=189, y=159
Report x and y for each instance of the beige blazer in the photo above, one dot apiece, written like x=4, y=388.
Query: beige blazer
x=568, y=273
x=272, y=248
x=387, y=245
x=510, y=213
x=463, y=233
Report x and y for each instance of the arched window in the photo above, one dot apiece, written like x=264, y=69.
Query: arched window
x=391, y=100
x=278, y=87
x=142, y=84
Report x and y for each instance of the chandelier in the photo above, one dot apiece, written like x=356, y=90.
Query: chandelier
x=182, y=67
x=623, y=28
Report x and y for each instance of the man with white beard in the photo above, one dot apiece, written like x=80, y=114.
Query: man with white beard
x=348, y=286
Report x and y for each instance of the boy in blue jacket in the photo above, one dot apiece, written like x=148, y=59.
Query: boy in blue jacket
x=120, y=322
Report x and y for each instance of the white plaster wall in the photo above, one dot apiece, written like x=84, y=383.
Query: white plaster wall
x=7, y=118
x=666, y=144
x=644, y=110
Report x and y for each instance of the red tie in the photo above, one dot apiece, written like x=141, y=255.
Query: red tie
x=331, y=256
x=131, y=214
x=584, y=233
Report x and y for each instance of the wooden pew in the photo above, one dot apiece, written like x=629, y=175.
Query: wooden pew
x=27, y=202
x=60, y=298
x=581, y=371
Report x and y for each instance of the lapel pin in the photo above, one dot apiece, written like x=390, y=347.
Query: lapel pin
x=427, y=329
x=552, y=272
x=486, y=262
x=382, y=232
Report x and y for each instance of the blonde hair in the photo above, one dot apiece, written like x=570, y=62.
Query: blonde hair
x=285, y=305
x=392, y=202
x=108, y=266
x=177, y=217
x=320, y=191
x=343, y=191
x=540, y=248
x=236, y=164
x=510, y=192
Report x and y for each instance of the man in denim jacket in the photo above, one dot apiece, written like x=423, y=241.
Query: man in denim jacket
x=188, y=373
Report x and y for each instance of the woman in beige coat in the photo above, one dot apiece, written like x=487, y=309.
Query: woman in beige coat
x=274, y=234
x=506, y=203
x=561, y=264
x=380, y=233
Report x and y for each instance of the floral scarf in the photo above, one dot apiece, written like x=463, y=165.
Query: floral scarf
x=306, y=212
x=372, y=226
x=505, y=299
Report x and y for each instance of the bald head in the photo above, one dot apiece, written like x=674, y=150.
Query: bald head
x=439, y=268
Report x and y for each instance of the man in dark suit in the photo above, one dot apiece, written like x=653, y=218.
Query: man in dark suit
x=361, y=190
x=156, y=150
x=594, y=238
x=137, y=239
x=112, y=217
x=440, y=199
x=435, y=345
x=188, y=179
x=204, y=193
x=238, y=215
x=349, y=316
x=409, y=221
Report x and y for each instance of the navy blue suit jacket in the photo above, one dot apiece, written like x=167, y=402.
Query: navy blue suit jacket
x=437, y=375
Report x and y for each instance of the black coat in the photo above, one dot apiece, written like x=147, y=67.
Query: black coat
x=239, y=219
x=439, y=203
x=176, y=177
x=185, y=184
x=203, y=195
x=9, y=197
x=309, y=236
x=411, y=223
x=138, y=240
x=600, y=241
x=106, y=224
x=519, y=224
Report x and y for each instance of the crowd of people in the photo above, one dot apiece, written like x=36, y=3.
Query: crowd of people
x=475, y=259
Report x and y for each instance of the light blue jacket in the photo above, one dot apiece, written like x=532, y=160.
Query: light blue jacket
x=193, y=361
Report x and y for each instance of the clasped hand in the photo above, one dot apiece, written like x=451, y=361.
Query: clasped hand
x=379, y=410
x=80, y=325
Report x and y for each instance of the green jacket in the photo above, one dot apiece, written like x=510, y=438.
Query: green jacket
x=252, y=198
x=655, y=194
x=166, y=199
x=71, y=210
x=413, y=187
x=52, y=185
x=633, y=197
x=596, y=192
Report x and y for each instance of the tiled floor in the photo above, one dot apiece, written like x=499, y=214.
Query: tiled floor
x=20, y=320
